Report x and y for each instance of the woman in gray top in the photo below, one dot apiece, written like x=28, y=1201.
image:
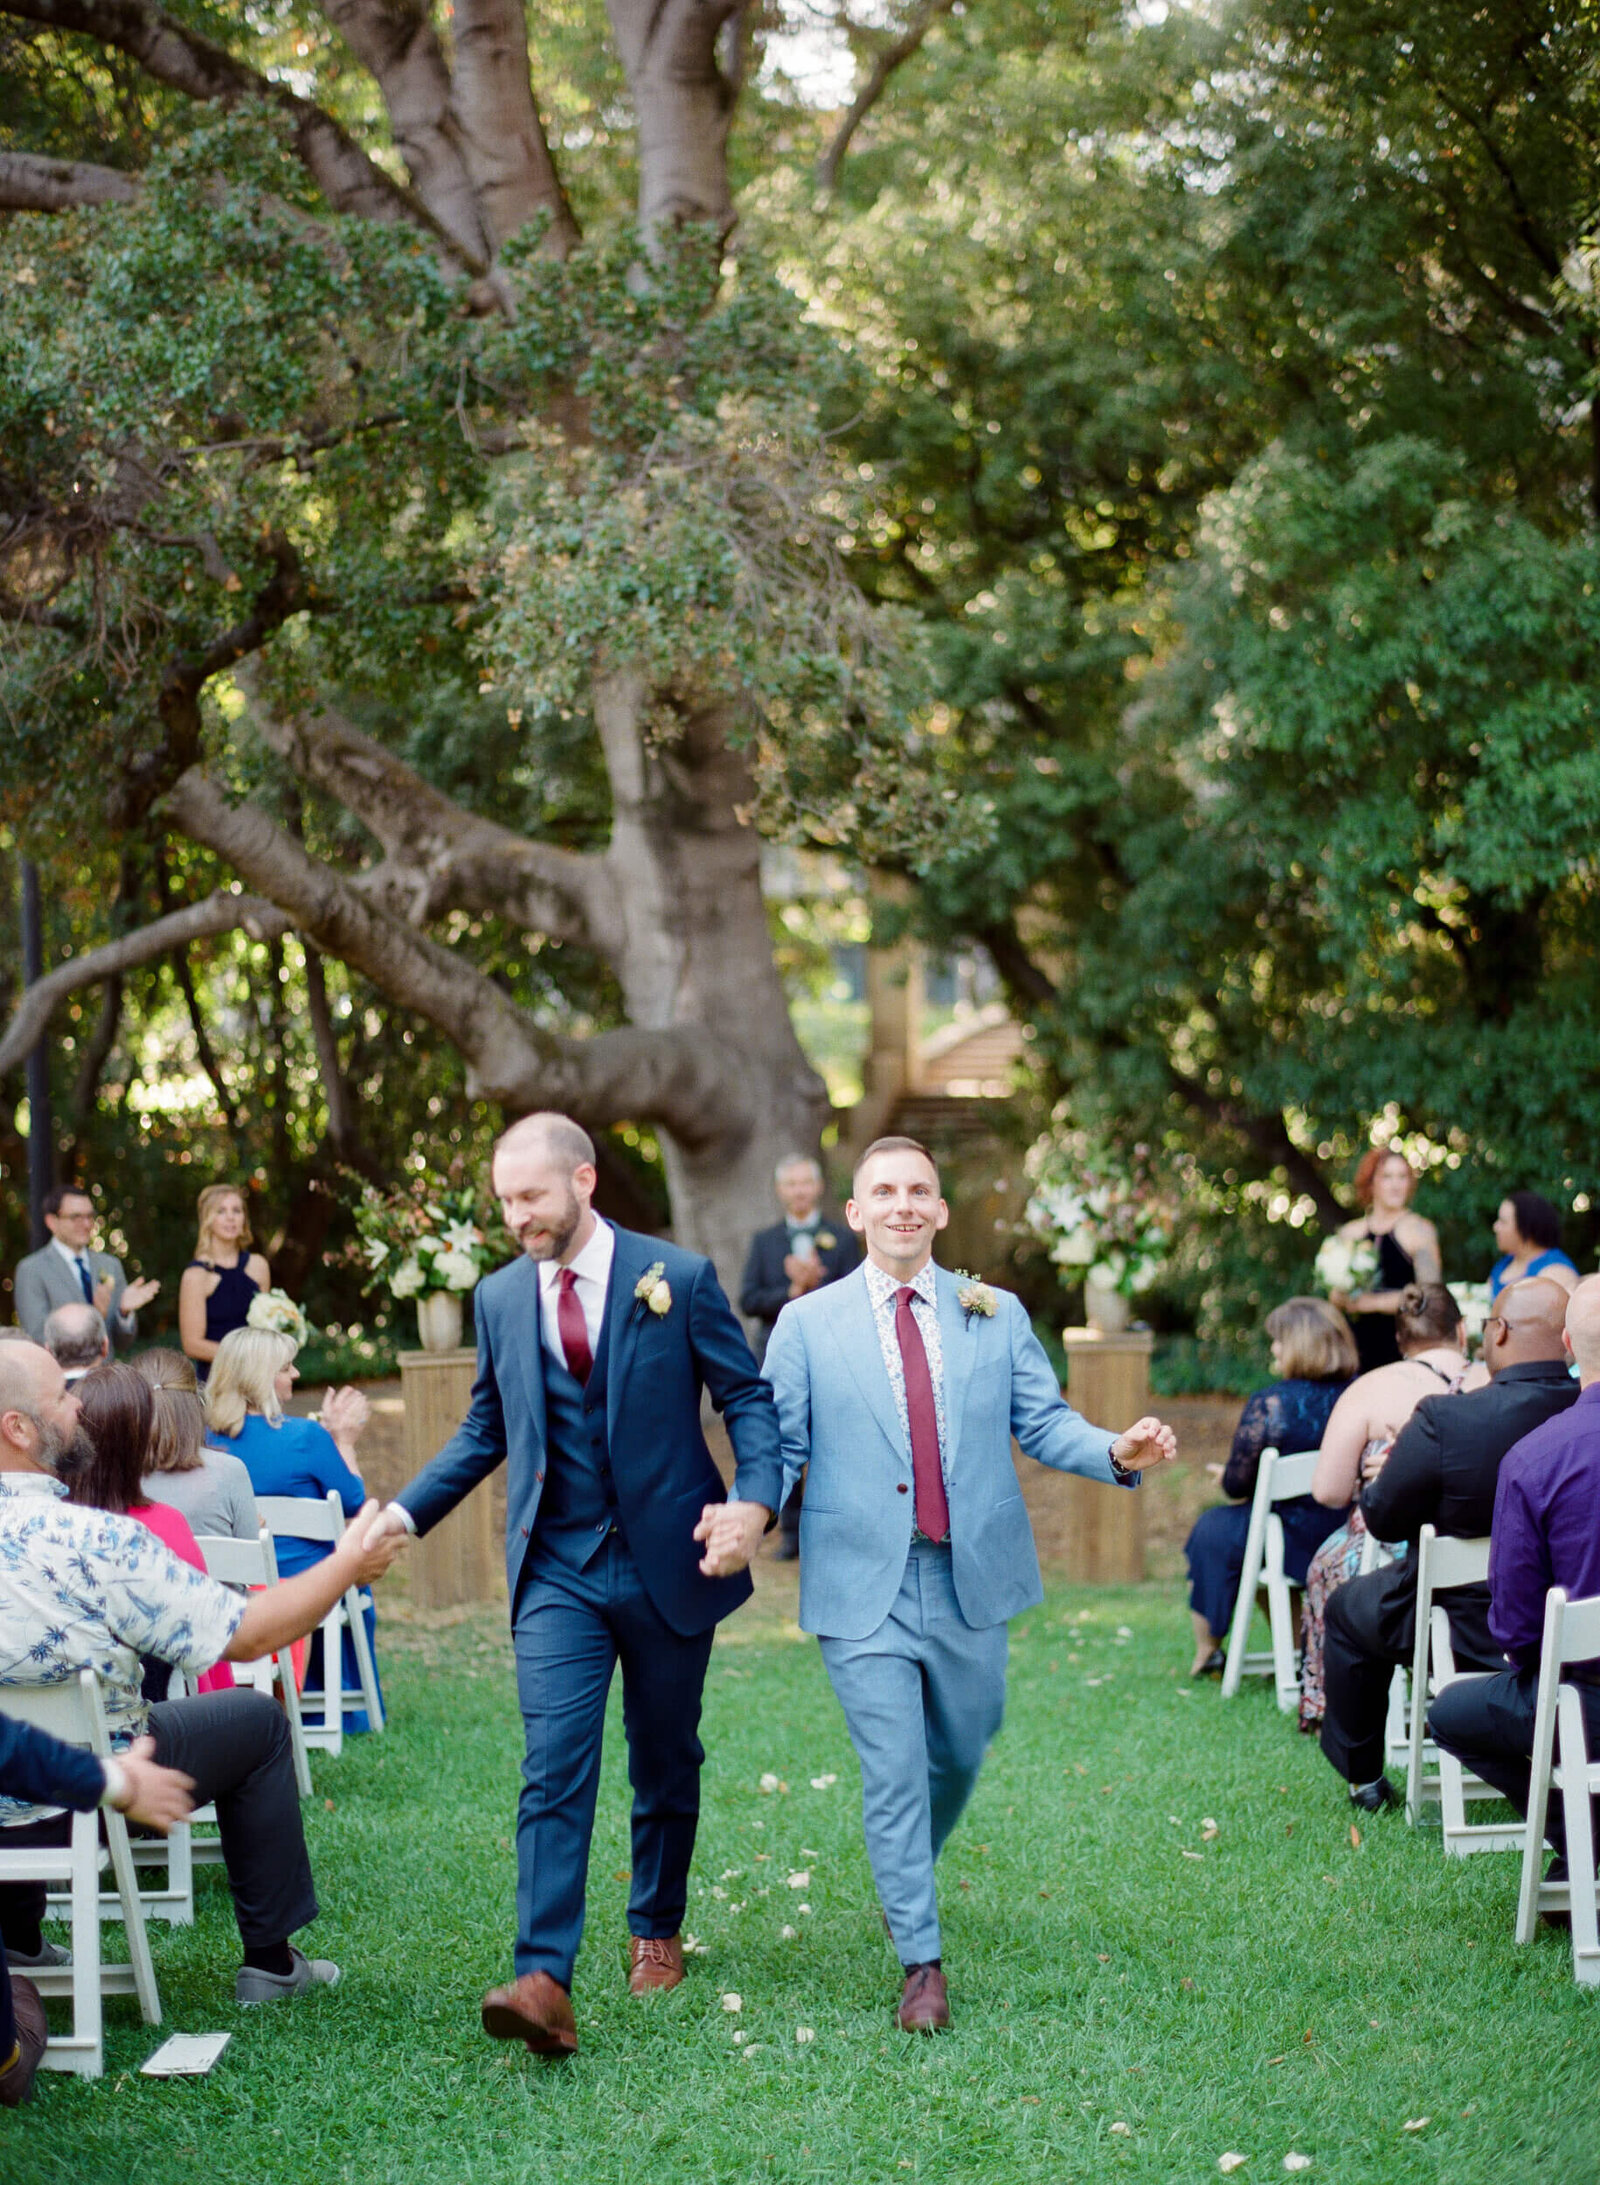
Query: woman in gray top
x=209, y=1486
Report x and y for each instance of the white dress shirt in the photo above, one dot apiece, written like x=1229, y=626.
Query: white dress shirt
x=74, y=1261
x=593, y=1270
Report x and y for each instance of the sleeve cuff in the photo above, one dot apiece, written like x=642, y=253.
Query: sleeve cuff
x=406, y=1518
x=116, y=1789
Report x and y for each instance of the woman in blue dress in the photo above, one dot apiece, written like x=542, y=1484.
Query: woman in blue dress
x=1314, y=1355
x=252, y=1379
x=1528, y=1231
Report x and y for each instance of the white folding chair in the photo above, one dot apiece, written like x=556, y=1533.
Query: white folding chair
x=1443, y=1562
x=1375, y=1555
x=297, y=1517
x=72, y=1712
x=1571, y=1634
x=1280, y=1479
x=253, y=1563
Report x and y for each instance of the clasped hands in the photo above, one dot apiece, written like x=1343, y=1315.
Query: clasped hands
x=730, y=1533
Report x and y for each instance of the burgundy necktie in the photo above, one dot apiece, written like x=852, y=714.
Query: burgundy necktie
x=933, y=1511
x=573, y=1329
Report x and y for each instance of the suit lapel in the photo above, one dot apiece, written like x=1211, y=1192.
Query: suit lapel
x=630, y=1256
x=958, y=1336
x=856, y=1332
x=524, y=1308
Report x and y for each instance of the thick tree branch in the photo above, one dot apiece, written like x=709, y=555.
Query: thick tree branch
x=682, y=106
x=180, y=57
x=31, y=183
x=1268, y=1134
x=439, y=856
x=682, y=1078
x=198, y=921
x=892, y=57
x=502, y=137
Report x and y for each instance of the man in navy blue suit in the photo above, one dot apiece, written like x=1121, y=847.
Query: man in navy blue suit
x=593, y=1350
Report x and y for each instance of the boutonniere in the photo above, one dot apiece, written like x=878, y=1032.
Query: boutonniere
x=826, y=1240
x=651, y=1289
x=974, y=1297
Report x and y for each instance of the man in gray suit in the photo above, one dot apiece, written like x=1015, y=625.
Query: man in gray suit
x=902, y=1386
x=67, y=1272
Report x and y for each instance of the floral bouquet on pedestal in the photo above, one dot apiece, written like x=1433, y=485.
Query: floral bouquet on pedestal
x=1103, y=1213
x=426, y=1237
x=1473, y=1299
x=1345, y=1265
x=277, y=1311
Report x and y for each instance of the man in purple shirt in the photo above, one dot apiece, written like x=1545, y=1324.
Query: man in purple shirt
x=1546, y=1533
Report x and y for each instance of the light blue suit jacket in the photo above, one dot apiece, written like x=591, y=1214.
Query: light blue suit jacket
x=837, y=1412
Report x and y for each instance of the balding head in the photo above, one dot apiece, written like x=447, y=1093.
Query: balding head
x=553, y=1138
x=24, y=1370
x=544, y=1178
x=1526, y=1326
x=75, y=1336
x=38, y=1414
x=1583, y=1328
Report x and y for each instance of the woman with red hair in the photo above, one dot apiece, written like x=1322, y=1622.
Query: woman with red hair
x=1408, y=1252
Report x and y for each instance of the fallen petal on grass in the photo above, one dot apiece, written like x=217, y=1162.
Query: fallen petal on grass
x=733, y=2002
x=802, y=1880
x=823, y=1782
x=768, y=1784
x=1415, y=2124
x=1292, y=2161
x=1125, y=2129
x=803, y=2034
x=1228, y=2163
x=788, y=1934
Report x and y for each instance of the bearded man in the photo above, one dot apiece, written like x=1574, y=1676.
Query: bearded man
x=593, y=1350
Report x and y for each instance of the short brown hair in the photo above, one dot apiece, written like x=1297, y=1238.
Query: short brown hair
x=892, y=1145
x=178, y=1425
x=117, y=1410
x=1315, y=1340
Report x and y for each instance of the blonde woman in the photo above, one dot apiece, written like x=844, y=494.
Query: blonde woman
x=1314, y=1357
x=252, y=1379
x=221, y=1282
x=211, y=1488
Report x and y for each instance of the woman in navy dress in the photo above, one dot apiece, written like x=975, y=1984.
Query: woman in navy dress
x=251, y=1382
x=1314, y=1354
x=224, y=1278
x=1408, y=1252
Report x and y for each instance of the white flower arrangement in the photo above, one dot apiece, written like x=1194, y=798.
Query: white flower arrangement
x=277, y=1311
x=424, y=1238
x=1345, y=1265
x=652, y=1290
x=1104, y=1213
x=1474, y=1301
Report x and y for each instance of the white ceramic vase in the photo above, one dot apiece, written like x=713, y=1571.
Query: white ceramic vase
x=1105, y=1307
x=439, y=1320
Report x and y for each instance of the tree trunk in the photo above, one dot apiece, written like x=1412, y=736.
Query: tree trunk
x=696, y=949
x=682, y=106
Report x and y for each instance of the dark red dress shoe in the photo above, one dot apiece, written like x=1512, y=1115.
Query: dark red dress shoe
x=654, y=1961
x=17, y=2073
x=924, y=2001
x=536, y=2009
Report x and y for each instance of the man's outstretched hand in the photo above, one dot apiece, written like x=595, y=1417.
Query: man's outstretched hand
x=731, y=1533
x=1146, y=1444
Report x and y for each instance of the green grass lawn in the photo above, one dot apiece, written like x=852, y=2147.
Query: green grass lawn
x=1134, y=1995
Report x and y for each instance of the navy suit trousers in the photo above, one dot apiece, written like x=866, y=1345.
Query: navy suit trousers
x=570, y=1629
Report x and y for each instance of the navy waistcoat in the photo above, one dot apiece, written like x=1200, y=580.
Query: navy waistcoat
x=579, y=1504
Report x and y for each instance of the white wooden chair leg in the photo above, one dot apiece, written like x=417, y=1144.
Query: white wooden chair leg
x=297, y=1732
x=1544, y=1737
x=1245, y=1606
x=144, y=1972
x=365, y=1667
x=1579, y=1810
x=1419, y=1715
x=88, y=2010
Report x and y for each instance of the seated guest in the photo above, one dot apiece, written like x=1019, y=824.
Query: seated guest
x=116, y=1408
x=1314, y=1357
x=252, y=1379
x=1442, y=1471
x=84, y=1589
x=1366, y=1419
x=76, y=1338
x=1545, y=1534
x=210, y=1486
x=41, y=1769
x=803, y=1252
x=1528, y=1231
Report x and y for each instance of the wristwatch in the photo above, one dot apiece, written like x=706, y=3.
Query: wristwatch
x=1121, y=1470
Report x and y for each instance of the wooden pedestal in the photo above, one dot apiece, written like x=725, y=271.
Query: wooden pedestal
x=1108, y=1381
x=460, y=1559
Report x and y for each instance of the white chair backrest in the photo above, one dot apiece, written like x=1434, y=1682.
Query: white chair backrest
x=239, y=1562
x=70, y=1711
x=299, y=1517
x=1291, y=1476
x=1576, y=1631
x=1443, y=1562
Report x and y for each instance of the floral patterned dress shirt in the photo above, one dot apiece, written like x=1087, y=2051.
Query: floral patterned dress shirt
x=882, y=1289
x=82, y=1589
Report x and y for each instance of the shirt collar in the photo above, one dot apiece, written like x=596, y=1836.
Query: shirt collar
x=67, y=1253
x=33, y=1483
x=593, y=1263
x=881, y=1285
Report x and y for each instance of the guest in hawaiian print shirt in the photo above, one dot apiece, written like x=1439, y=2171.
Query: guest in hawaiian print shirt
x=83, y=1588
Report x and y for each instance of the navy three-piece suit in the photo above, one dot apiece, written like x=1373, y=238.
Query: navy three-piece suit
x=605, y=1484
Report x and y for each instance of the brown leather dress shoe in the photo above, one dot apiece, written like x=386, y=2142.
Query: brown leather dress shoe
x=536, y=2009
x=924, y=2001
x=654, y=1961
x=18, y=2072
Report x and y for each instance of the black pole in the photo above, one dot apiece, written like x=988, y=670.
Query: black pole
x=41, y=1138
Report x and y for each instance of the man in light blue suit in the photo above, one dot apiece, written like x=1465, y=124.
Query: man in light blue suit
x=902, y=1386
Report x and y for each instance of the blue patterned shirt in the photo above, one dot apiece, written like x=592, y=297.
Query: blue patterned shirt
x=82, y=1589
x=883, y=1289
